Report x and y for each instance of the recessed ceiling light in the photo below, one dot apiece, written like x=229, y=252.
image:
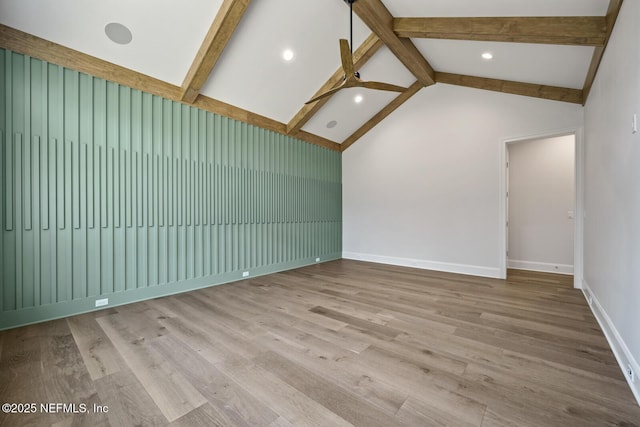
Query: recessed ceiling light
x=487, y=55
x=332, y=124
x=287, y=54
x=118, y=33
x=358, y=99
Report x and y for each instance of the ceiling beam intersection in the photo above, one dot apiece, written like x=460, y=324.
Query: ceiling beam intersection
x=378, y=18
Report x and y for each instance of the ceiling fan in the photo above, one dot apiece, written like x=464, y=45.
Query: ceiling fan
x=351, y=77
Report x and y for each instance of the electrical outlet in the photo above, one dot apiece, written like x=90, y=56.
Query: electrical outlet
x=631, y=374
x=317, y=259
x=245, y=274
x=102, y=302
x=590, y=299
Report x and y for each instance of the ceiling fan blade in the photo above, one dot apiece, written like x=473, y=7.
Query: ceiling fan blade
x=347, y=59
x=381, y=86
x=325, y=94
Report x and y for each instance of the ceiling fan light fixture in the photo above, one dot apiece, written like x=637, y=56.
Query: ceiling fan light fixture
x=287, y=55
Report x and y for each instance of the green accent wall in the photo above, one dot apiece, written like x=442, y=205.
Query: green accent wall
x=109, y=192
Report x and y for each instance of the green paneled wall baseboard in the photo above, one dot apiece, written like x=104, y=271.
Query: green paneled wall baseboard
x=64, y=309
x=106, y=191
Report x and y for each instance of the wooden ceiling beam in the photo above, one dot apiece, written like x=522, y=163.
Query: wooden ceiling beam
x=36, y=47
x=219, y=34
x=360, y=57
x=378, y=18
x=553, y=93
x=563, y=30
x=316, y=139
x=612, y=15
x=382, y=114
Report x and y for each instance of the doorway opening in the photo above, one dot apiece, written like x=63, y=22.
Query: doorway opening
x=542, y=204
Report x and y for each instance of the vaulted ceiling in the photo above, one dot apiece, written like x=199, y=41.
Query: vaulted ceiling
x=226, y=56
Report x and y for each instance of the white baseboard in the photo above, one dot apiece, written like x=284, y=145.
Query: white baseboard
x=540, y=266
x=618, y=346
x=472, y=270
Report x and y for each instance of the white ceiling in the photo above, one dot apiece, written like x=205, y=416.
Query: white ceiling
x=553, y=65
x=163, y=46
x=251, y=73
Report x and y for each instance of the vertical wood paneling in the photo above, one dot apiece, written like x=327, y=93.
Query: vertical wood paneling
x=9, y=184
x=44, y=185
x=80, y=245
x=60, y=189
x=76, y=178
x=139, y=194
x=128, y=188
x=18, y=212
x=67, y=184
x=26, y=185
x=107, y=189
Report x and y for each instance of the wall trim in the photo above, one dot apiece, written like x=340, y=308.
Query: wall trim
x=618, y=346
x=544, y=267
x=471, y=270
x=31, y=315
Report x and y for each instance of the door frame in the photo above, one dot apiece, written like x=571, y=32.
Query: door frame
x=578, y=234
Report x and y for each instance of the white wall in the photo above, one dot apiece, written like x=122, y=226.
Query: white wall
x=423, y=187
x=612, y=191
x=542, y=204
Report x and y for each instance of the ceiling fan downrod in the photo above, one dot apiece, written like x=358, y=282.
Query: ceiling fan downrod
x=351, y=2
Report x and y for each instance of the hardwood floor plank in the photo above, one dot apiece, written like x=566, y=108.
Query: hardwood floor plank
x=128, y=401
x=170, y=391
x=99, y=355
x=290, y=403
x=336, y=343
x=341, y=402
x=572, y=379
x=204, y=329
x=491, y=419
x=281, y=422
x=583, y=358
x=284, y=306
x=562, y=332
x=565, y=408
x=232, y=404
x=203, y=303
x=444, y=409
x=581, y=387
x=366, y=326
x=323, y=363
x=202, y=416
x=41, y=364
x=339, y=337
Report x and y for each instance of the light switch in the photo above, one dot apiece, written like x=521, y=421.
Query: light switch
x=570, y=214
x=634, y=123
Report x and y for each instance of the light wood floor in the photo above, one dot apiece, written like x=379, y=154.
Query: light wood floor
x=340, y=343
